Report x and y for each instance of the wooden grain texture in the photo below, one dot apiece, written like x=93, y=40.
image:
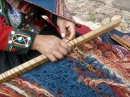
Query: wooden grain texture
x=12, y=73
x=121, y=41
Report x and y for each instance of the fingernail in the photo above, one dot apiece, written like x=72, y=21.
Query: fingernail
x=63, y=34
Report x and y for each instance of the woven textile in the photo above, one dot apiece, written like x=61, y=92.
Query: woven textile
x=98, y=68
x=57, y=7
x=104, y=72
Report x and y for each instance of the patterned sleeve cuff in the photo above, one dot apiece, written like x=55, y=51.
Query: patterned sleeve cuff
x=19, y=41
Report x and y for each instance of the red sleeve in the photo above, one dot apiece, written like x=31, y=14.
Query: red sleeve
x=4, y=31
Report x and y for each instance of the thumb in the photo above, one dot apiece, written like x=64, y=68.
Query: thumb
x=62, y=30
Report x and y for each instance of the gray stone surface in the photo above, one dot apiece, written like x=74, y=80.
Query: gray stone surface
x=122, y=4
x=95, y=13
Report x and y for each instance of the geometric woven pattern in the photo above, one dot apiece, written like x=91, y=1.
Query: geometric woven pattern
x=18, y=39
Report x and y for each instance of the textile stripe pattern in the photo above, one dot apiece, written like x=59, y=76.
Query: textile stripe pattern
x=94, y=69
x=22, y=88
x=61, y=10
x=57, y=7
x=20, y=5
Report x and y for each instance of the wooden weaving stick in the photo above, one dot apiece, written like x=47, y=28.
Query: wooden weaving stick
x=12, y=73
x=121, y=41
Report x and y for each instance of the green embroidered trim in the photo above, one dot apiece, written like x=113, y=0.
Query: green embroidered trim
x=18, y=39
x=3, y=11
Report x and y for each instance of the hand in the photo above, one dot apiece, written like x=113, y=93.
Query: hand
x=67, y=29
x=50, y=46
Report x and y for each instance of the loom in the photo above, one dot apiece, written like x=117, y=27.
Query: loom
x=16, y=71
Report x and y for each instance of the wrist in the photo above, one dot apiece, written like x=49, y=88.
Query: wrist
x=35, y=43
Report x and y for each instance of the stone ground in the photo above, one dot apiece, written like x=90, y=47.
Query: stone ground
x=95, y=13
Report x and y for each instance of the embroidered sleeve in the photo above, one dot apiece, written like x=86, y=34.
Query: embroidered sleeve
x=19, y=41
x=13, y=39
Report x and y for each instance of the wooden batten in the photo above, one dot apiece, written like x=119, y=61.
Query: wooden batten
x=121, y=41
x=42, y=59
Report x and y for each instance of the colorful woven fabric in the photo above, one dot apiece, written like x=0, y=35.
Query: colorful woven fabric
x=57, y=7
x=104, y=72
x=95, y=69
x=22, y=88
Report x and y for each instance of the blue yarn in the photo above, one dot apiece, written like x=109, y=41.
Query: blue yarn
x=105, y=90
x=60, y=79
x=105, y=71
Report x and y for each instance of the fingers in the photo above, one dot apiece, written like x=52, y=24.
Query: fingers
x=68, y=33
x=62, y=50
x=62, y=29
x=65, y=46
x=67, y=28
x=51, y=57
x=66, y=40
x=58, y=54
x=71, y=30
x=52, y=47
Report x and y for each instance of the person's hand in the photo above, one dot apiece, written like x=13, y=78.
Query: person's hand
x=67, y=29
x=50, y=46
